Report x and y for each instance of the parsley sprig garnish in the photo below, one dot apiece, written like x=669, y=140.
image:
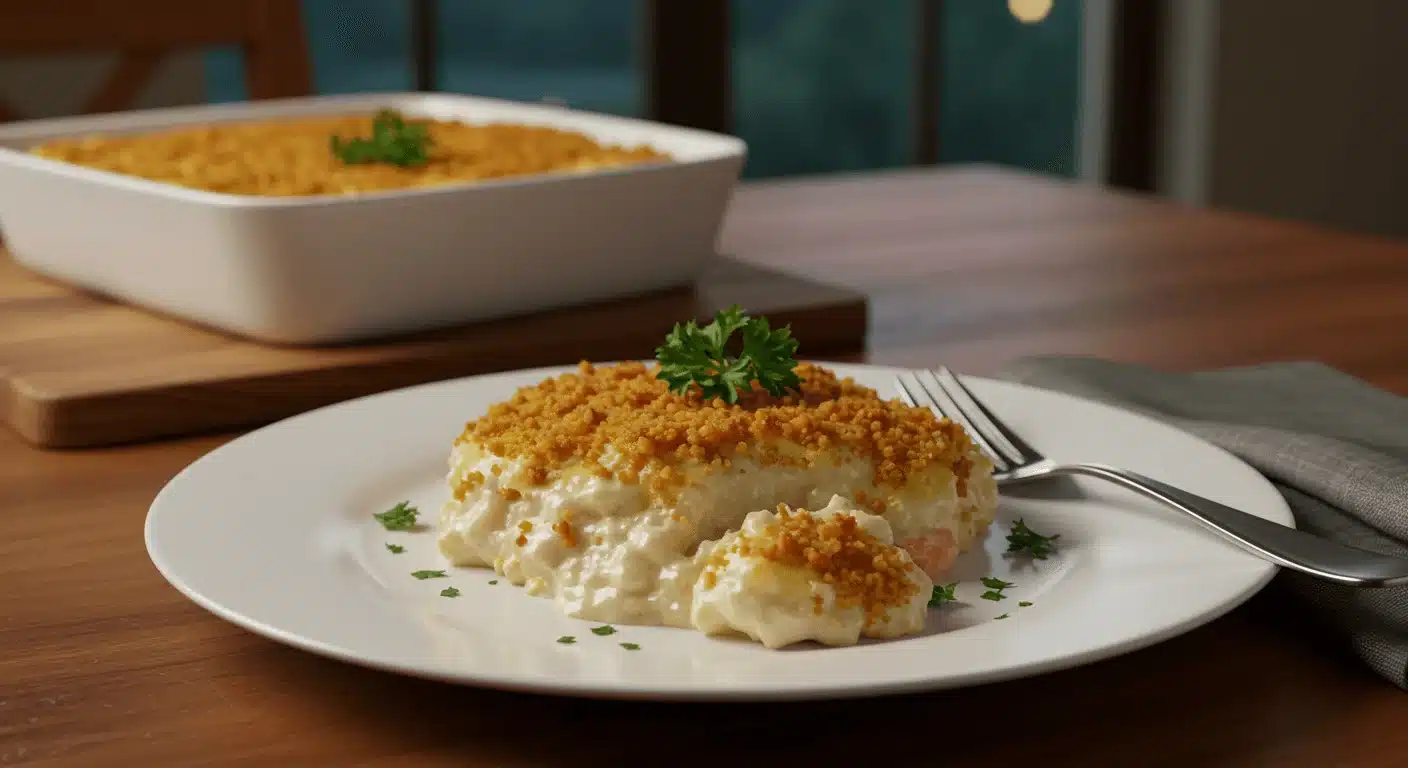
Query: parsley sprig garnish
x=942, y=594
x=1023, y=540
x=401, y=517
x=393, y=141
x=694, y=356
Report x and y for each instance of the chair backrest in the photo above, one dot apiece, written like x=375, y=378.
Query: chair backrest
x=144, y=32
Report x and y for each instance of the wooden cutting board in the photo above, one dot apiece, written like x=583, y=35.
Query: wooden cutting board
x=79, y=370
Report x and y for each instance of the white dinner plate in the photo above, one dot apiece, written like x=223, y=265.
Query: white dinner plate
x=274, y=532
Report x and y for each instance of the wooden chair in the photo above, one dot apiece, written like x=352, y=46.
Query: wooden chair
x=269, y=32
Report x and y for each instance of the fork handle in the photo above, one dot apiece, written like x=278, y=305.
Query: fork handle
x=1280, y=544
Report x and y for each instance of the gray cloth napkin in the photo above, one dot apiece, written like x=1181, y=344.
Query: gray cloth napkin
x=1335, y=447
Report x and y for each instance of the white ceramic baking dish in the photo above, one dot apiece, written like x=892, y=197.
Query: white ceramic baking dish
x=315, y=270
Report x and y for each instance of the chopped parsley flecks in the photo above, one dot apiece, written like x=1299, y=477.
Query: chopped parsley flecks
x=449, y=592
x=630, y=646
x=1024, y=604
x=423, y=575
x=567, y=640
x=395, y=549
x=401, y=517
x=492, y=582
x=604, y=630
x=995, y=587
x=1024, y=541
x=1003, y=616
x=942, y=594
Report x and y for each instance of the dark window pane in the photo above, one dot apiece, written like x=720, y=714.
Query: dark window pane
x=1010, y=91
x=582, y=52
x=824, y=85
x=356, y=46
x=224, y=78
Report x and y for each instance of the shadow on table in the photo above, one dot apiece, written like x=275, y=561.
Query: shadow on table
x=1216, y=696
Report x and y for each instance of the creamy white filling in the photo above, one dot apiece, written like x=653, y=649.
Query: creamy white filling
x=777, y=605
x=629, y=560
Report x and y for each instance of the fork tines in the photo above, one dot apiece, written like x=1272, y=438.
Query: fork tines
x=945, y=394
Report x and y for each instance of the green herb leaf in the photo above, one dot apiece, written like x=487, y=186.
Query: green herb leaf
x=423, y=575
x=1024, y=604
x=773, y=356
x=401, y=517
x=567, y=640
x=492, y=582
x=395, y=549
x=449, y=592
x=393, y=141
x=1003, y=616
x=995, y=587
x=604, y=630
x=697, y=357
x=942, y=594
x=1023, y=540
x=630, y=646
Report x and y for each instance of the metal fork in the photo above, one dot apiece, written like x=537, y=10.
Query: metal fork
x=1015, y=461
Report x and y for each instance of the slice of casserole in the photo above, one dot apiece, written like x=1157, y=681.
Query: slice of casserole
x=597, y=488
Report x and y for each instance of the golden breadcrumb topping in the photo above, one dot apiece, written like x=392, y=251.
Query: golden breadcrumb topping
x=575, y=418
x=863, y=570
x=563, y=528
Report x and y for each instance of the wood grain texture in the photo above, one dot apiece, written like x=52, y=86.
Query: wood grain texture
x=102, y=663
x=975, y=267
x=84, y=371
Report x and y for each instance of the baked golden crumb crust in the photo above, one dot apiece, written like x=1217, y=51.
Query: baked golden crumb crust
x=292, y=157
x=572, y=419
x=864, y=571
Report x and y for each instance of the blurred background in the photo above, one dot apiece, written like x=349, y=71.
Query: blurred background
x=1289, y=108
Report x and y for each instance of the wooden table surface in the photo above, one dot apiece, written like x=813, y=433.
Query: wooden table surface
x=101, y=663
